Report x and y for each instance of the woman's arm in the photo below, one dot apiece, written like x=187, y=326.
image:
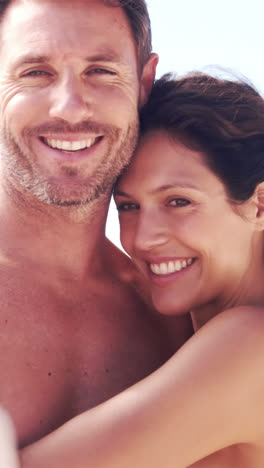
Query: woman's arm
x=206, y=397
x=8, y=453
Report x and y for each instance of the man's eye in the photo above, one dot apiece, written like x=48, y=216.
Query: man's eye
x=100, y=71
x=127, y=207
x=179, y=202
x=36, y=73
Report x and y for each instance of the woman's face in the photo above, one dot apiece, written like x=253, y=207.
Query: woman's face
x=177, y=224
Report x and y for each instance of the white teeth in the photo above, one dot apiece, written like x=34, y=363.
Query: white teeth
x=70, y=145
x=66, y=145
x=178, y=265
x=170, y=267
x=163, y=268
x=155, y=269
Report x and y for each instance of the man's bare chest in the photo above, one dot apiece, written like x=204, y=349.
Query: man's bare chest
x=60, y=356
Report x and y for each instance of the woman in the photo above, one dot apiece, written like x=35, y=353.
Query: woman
x=191, y=209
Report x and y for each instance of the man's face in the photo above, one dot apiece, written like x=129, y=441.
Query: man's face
x=69, y=95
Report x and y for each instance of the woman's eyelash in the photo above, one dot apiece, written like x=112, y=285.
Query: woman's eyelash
x=179, y=202
x=127, y=206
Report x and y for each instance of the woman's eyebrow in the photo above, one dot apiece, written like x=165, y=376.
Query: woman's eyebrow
x=162, y=188
x=119, y=193
x=174, y=185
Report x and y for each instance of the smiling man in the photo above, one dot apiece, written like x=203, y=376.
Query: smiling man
x=74, y=328
x=69, y=97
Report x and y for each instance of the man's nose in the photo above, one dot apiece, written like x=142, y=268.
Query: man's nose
x=151, y=232
x=71, y=101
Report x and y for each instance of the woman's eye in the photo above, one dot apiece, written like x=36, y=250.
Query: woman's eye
x=127, y=206
x=179, y=202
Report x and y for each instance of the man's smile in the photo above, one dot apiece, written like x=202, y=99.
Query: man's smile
x=67, y=145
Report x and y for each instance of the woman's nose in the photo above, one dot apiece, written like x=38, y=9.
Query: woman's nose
x=151, y=232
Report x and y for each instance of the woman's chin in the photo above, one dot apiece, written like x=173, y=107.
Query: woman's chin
x=171, y=308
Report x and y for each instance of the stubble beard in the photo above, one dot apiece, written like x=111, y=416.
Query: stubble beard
x=22, y=168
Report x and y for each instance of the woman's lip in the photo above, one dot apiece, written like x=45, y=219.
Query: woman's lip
x=163, y=280
x=158, y=260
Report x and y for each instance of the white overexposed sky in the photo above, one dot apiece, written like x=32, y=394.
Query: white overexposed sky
x=194, y=34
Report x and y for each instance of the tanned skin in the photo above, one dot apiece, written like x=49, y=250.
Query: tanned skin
x=75, y=325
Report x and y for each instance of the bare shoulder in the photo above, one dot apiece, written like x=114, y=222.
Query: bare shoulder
x=229, y=353
x=239, y=322
x=235, y=336
x=245, y=312
x=219, y=374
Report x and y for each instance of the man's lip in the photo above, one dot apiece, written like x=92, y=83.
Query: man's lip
x=69, y=137
x=66, y=155
x=71, y=146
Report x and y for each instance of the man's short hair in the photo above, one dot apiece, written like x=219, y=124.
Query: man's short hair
x=137, y=14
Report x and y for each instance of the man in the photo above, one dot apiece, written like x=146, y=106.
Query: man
x=74, y=329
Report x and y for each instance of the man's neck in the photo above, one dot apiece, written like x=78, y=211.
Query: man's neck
x=63, y=238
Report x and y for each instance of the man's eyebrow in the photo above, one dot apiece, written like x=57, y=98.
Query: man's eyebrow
x=27, y=59
x=107, y=56
x=30, y=59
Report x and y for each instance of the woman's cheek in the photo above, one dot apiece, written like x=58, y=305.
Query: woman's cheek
x=127, y=236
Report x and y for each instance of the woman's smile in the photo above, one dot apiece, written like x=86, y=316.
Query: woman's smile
x=168, y=267
x=163, y=274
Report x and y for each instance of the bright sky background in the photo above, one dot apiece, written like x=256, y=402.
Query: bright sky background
x=193, y=34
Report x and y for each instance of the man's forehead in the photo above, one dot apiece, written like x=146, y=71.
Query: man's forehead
x=61, y=2
x=39, y=28
x=42, y=15
x=20, y=10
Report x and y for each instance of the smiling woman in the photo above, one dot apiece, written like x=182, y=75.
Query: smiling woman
x=202, y=155
x=191, y=207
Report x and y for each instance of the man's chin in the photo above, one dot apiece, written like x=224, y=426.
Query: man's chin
x=68, y=203
x=71, y=200
x=74, y=203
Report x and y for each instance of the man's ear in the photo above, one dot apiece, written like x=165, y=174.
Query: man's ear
x=147, y=78
x=258, y=198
